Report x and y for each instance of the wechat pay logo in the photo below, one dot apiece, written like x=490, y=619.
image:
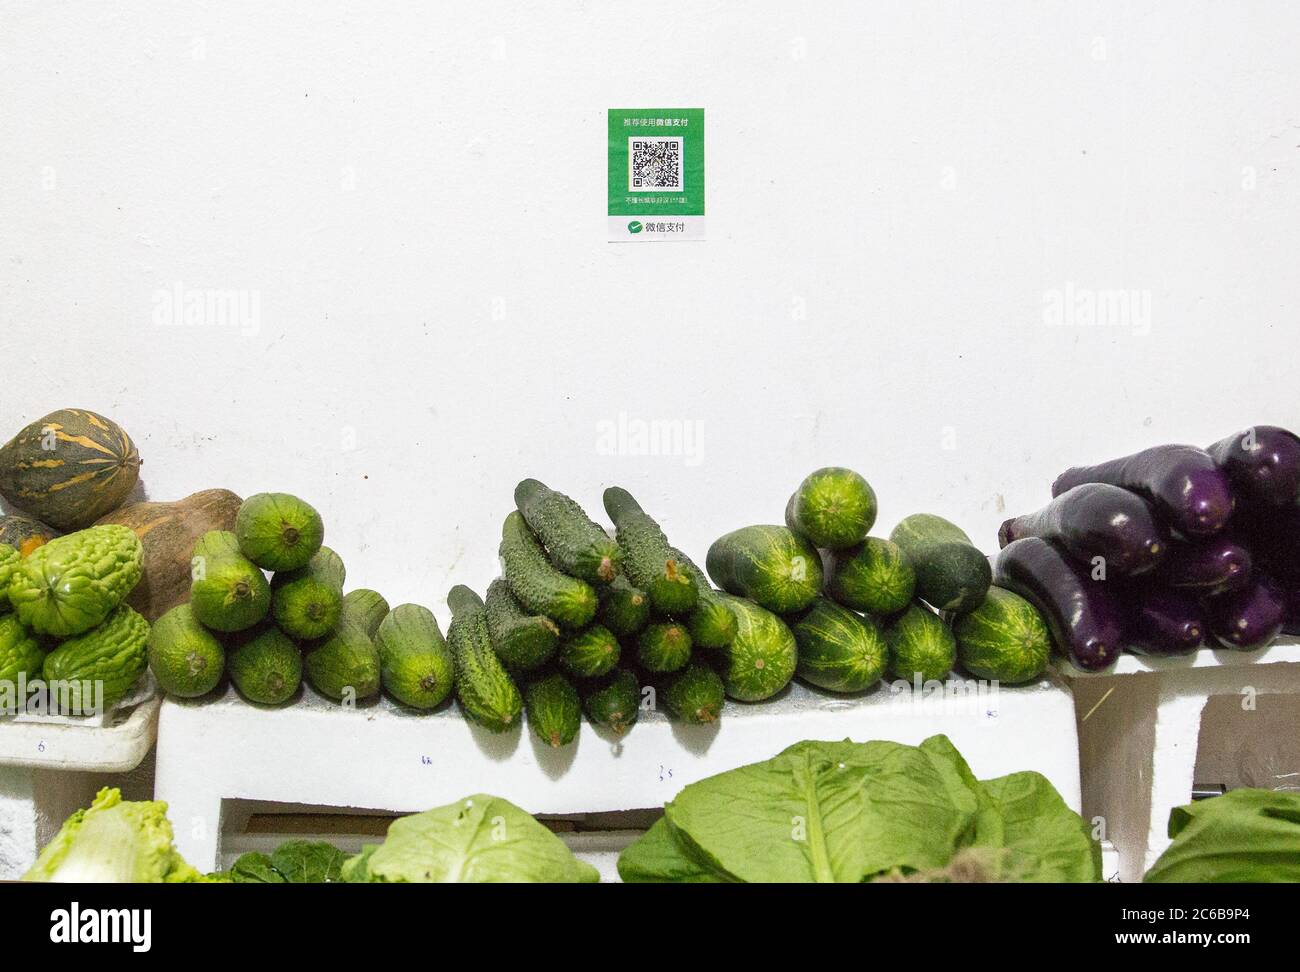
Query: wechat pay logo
x=634, y=226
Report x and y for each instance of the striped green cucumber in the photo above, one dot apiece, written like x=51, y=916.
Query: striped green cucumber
x=651, y=562
x=576, y=544
x=537, y=583
x=874, y=576
x=614, y=702
x=761, y=659
x=833, y=508
x=696, y=695
x=664, y=647
x=951, y=573
x=343, y=667
x=306, y=607
x=589, y=653
x=771, y=565
x=921, y=645
x=624, y=609
x=554, y=709
x=415, y=664
x=521, y=640
x=839, y=650
x=485, y=690
x=1004, y=639
x=364, y=608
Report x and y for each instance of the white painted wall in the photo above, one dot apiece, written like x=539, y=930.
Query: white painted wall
x=383, y=177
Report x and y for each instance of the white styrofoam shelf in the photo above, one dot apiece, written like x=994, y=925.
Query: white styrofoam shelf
x=116, y=746
x=382, y=757
x=1285, y=649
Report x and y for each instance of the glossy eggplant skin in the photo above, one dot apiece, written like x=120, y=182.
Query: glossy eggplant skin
x=1096, y=520
x=1273, y=536
x=1249, y=618
x=1209, y=566
x=1262, y=463
x=1165, y=622
x=1083, y=615
x=1187, y=489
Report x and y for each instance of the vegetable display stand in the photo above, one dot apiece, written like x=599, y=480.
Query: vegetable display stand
x=379, y=757
x=1141, y=728
x=48, y=769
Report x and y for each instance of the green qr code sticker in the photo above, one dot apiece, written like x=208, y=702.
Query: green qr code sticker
x=656, y=174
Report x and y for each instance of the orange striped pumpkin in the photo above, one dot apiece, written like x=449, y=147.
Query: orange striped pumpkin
x=69, y=468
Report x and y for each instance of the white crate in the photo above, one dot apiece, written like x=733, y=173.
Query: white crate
x=380, y=757
x=1139, y=728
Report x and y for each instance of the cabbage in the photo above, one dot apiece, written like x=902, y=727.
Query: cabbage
x=114, y=842
x=845, y=811
x=480, y=839
x=1243, y=836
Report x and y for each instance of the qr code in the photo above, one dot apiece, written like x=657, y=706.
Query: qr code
x=654, y=164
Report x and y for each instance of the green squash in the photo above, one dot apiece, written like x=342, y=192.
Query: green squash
x=306, y=607
x=277, y=531
x=72, y=583
x=345, y=666
x=228, y=591
x=113, y=654
x=69, y=468
x=184, y=656
x=415, y=664
x=20, y=653
x=266, y=667
x=364, y=608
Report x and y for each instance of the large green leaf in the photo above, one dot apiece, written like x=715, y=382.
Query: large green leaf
x=657, y=858
x=824, y=811
x=1242, y=836
x=1044, y=840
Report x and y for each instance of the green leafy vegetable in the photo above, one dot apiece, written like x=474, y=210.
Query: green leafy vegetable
x=1242, y=836
x=293, y=862
x=114, y=842
x=480, y=839
x=824, y=811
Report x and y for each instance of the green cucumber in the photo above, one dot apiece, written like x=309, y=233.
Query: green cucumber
x=1004, y=639
x=537, y=583
x=185, y=657
x=664, y=647
x=650, y=561
x=874, y=576
x=833, y=508
x=951, y=573
x=277, y=531
x=624, y=609
x=306, y=607
x=576, y=544
x=364, y=608
x=712, y=625
x=839, y=650
x=521, y=640
x=415, y=664
x=921, y=645
x=696, y=695
x=265, y=667
x=771, y=565
x=345, y=666
x=228, y=592
x=614, y=702
x=590, y=653
x=761, y=659
x=486, y=692
x=325, y=565
x=554, y=710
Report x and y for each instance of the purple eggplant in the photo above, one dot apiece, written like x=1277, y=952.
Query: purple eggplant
x=1249, y=618
x=1262, y=464
x=1096, y=520
x=1165, y=622
x=1291, y=603
x=1187, y=489
x=1208, y=566
x=1083, y=615
x=1273, y=536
